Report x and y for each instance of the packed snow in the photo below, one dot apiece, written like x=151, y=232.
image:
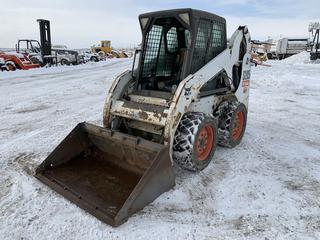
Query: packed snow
x=268, y=187
x=301, y=58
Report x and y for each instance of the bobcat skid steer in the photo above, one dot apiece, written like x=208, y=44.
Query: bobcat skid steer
x=187, y=92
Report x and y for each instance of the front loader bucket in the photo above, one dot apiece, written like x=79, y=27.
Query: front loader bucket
x=109, y=174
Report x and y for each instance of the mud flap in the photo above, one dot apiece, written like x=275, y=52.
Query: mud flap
x=109, y=174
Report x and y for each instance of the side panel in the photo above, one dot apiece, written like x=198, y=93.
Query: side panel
x=242, y=92
x=114, y=94
x=188, y=90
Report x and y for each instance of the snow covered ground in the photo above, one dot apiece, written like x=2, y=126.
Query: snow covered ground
x=268, y=187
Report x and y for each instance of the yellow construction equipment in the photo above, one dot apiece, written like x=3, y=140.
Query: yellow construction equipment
x=105, y=48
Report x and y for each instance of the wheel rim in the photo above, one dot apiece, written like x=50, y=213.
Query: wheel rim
x=204, y=142
x=238, y=126
x=10, y=67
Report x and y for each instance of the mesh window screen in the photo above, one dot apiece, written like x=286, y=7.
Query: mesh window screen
x=199, y=54
x=153, y=43
x=166, y=60
x=172, y=39
x=217, y=44
x=156, y=59
x=210, y=42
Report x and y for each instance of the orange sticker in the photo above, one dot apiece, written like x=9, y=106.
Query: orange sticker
x=245, y=83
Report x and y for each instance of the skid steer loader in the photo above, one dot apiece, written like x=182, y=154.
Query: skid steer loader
x=187, y=92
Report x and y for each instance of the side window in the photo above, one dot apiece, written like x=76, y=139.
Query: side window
x=201, y=43
x=167, y=53
x=216, y=37
x=218, y=41
x=187, y=36
x=160, y=51
x=172, y=39
x=153, y=39
x=24, y=46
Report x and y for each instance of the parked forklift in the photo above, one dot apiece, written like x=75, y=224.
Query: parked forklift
x=42, y=52
x=187, y=92
x=38, y=53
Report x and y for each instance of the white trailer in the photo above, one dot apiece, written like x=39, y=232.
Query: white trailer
x=287, y=47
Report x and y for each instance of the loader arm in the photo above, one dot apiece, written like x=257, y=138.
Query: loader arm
x=188, y=90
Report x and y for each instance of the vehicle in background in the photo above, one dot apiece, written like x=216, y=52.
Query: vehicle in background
x=105, y=48
x=44, y=53
x=272, y=50
x=91, y=57
x=259, y=52
x=15, y=61
x=68, y=57
x=59, y=53
x=119, y=54
x=314, y=29
x=31, y=48
x=287, y=47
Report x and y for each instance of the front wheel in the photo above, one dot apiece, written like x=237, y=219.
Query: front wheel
x=65, y=62
x=195, y=141
x=94, y=59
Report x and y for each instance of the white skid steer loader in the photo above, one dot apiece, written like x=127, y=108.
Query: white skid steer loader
x=187, y=92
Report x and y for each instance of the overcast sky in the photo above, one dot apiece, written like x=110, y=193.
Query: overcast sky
x=82, y=23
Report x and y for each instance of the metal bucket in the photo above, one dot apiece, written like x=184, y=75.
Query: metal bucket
x=109, y=174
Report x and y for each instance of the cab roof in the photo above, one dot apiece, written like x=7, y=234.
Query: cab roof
x=193, y=13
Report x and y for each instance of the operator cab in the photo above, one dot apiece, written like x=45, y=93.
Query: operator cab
x=27, y=46
x=177, y=43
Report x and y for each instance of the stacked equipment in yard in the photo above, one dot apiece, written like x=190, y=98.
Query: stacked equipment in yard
x=43, y=53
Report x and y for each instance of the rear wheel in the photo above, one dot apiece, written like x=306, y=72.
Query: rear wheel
x=232, y=123
x=195, y=141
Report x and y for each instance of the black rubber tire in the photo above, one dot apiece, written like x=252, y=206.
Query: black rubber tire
x=186, y=135
x=65, y=62
x=35, y=60
x=11, y=67
x=226, y=113
x=94, y=59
